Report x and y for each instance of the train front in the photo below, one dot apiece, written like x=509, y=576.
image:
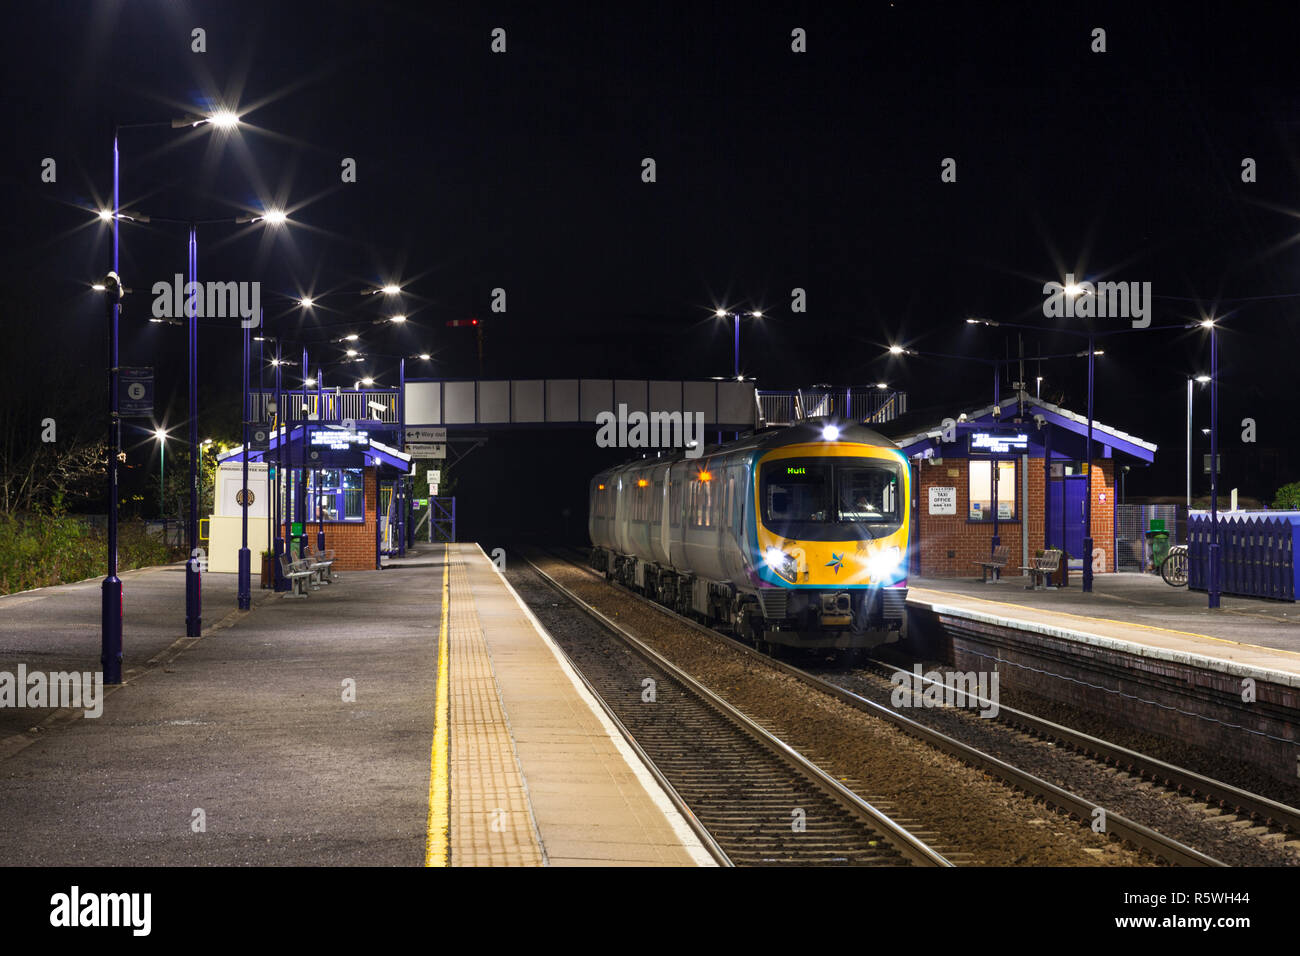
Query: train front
x=830, y=539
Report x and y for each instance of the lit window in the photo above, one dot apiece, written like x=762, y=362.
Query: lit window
x=981, y=491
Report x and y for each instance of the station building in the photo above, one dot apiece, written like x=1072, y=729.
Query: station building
x=337, y=489
x=1038, y=452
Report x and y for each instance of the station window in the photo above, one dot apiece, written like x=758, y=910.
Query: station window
x=981, y=491
x=336, y=494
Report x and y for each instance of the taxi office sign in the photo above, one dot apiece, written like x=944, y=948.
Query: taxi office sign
x=998, y=443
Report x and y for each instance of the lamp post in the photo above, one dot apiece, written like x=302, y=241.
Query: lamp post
x=1200, y=379
x=735, y=317
x=161, y=435
x=112, y=588
x=1214, y=463
x=245, y=596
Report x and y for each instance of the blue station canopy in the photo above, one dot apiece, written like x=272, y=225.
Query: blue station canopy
x=326, y=446
x=1041, y=426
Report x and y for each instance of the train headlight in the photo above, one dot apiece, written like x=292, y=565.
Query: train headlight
x=783, y=564
x=831, y=432
x=884, y=563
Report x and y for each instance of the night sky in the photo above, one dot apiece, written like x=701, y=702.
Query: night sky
x=775, y=170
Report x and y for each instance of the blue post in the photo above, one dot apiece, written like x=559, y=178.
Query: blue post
x=111, y=591
x=994, y=465
x=245, y=587
x=1214, y=468
x=281, y=582
x=1087, y=501
x=193, y=577
x=401, y=446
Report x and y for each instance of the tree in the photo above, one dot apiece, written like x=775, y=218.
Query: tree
x=1288, y=497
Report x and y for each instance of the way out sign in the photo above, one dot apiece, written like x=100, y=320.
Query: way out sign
x=135, y=392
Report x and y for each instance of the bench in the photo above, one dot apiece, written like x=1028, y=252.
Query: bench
x=299, y=574
x=994, y=565
x=321, y=564
x=1044, y=566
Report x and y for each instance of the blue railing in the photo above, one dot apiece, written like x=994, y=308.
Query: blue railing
x=1256, y=554
x=866, y=404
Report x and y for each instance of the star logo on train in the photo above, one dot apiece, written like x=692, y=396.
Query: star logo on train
x=836, y=562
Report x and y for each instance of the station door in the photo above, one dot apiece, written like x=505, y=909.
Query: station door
x=1065, y=500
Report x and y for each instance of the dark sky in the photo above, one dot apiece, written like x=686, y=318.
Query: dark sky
x=775, y=170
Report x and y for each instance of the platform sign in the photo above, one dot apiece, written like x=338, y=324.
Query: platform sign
x=135, y=392
x=426, y=434
x=427, y=451
x=434, y=475
x=943, y=501
x=259, y=436
x=998, y=443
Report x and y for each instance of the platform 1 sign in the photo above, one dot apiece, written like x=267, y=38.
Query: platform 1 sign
x=426, y=435
x=427, y=451
x=943, y=501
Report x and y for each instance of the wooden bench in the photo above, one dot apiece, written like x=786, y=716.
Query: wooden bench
x=1044, y=566
x=299, y=574
x=321, y=564
x=994, y=565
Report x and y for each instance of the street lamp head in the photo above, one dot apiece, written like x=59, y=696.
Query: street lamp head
x=988, y=322
x=160, y=434
x=309, y=381
x=106, y=215
x=391, y=289
x=367, y=381
x=756, y=314
x=896, y=350
x=397, y=318
x=425, y=356
x=352, y=353
x=882, y=385
x=223, y=119
x=720, y=313
x=1207, y=323
x=306, y=302
x=99, y=287
x=1203, y=379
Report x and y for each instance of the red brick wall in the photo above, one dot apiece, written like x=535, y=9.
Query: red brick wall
x=941, y=534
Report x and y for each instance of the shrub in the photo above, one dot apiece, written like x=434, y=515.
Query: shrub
x=38, y=550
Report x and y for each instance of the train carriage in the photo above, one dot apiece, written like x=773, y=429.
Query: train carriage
x=794, y=536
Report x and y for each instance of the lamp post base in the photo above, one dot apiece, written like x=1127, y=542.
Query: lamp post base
x=193, y=600
x=1214, y=575
x=281, y=582
x=245, y=586
x=111, y=623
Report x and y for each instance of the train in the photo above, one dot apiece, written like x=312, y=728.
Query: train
x=788, y=537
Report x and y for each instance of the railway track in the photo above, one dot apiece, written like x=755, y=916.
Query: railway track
x=753, y=800
x=1268, y=816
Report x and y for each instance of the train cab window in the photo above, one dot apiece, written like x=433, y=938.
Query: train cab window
x=831, y=499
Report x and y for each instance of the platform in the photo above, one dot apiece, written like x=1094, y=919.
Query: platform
x=538, y=774
x=301, y=732
x=1139, y=614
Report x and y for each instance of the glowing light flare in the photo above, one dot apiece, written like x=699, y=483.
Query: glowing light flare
x=704, y=475
x=641, y=483
x=831, y=433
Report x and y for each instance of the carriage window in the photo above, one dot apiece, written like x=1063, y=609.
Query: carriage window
x=674, y=503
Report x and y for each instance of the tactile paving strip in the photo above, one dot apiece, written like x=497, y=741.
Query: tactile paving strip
x=491, y=820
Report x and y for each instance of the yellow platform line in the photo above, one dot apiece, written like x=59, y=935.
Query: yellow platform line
x=1106, y=620
x=435, y=847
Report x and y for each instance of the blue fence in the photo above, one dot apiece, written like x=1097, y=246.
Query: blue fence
x=1256, y=553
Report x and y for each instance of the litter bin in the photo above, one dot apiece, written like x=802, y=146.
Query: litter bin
x=1061, y=578
x=1158, y=541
